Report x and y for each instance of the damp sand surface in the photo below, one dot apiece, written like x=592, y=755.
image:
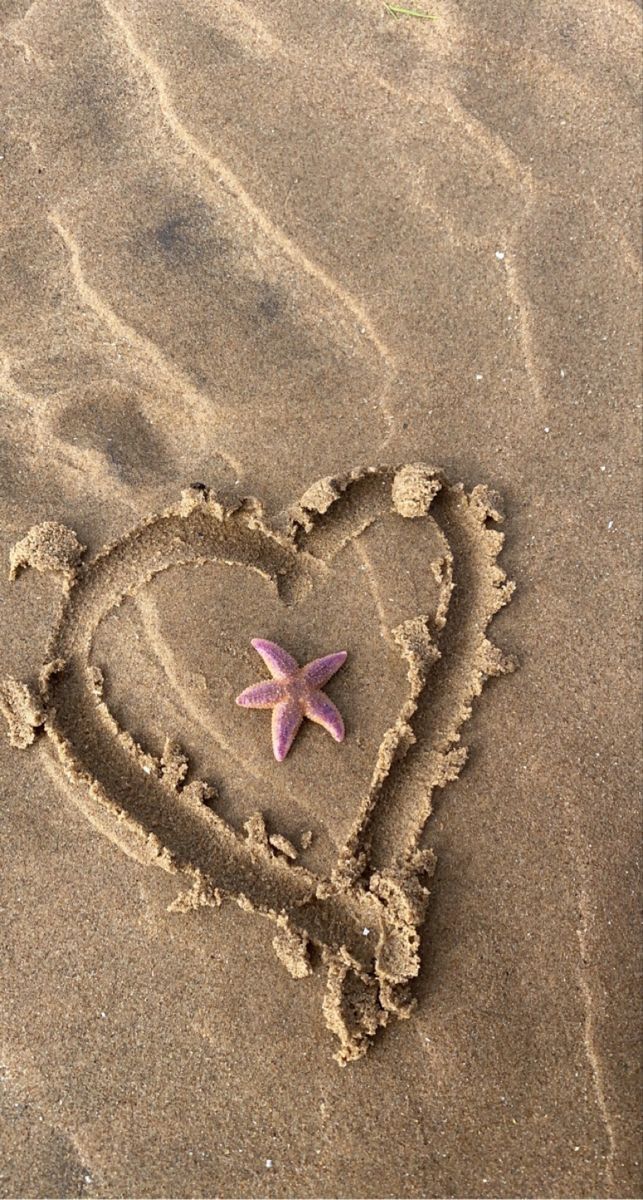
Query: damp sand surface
x=248, y=250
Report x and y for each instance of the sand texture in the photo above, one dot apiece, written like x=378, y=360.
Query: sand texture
x=321, y=325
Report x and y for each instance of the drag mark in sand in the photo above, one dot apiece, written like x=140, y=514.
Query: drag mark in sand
x=249, y=29
x=69, y=457
x=164, y=370
x=590, y=1038
x=363, y=921
x=23, y=1083
x=216, y=168
x=520, y=301
x=362, y=552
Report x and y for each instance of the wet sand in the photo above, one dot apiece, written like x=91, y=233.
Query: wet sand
x=254, y=247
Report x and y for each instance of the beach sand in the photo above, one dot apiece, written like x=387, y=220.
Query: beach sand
x=245, y=248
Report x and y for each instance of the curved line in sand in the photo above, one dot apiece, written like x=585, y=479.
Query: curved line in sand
x=216, y=167
x=367, y=928
x=144, y=346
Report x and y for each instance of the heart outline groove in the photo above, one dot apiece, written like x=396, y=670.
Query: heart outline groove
x=363, y=921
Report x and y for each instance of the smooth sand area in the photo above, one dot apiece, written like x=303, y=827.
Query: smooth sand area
x=244, y=248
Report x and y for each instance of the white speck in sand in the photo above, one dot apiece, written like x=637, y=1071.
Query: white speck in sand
x=478, y=377
x=365, y=932
x=500, y=254
x=546, y=428
x=269, y=1163
x=147, y=770
x=610, y=524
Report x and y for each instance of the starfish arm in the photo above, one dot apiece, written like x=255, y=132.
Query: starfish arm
x=286, y=719
x=280, y=664
x=261, y=695
x=318, y=672
x=320, y=708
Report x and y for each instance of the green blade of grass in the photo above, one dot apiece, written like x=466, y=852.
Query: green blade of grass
x=397, y=11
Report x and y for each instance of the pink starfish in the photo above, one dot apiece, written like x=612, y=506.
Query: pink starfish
x=293, y=693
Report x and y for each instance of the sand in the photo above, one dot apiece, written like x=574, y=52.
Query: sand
x=322, y=325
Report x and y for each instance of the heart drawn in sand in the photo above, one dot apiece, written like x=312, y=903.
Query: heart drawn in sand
x=334, y=562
